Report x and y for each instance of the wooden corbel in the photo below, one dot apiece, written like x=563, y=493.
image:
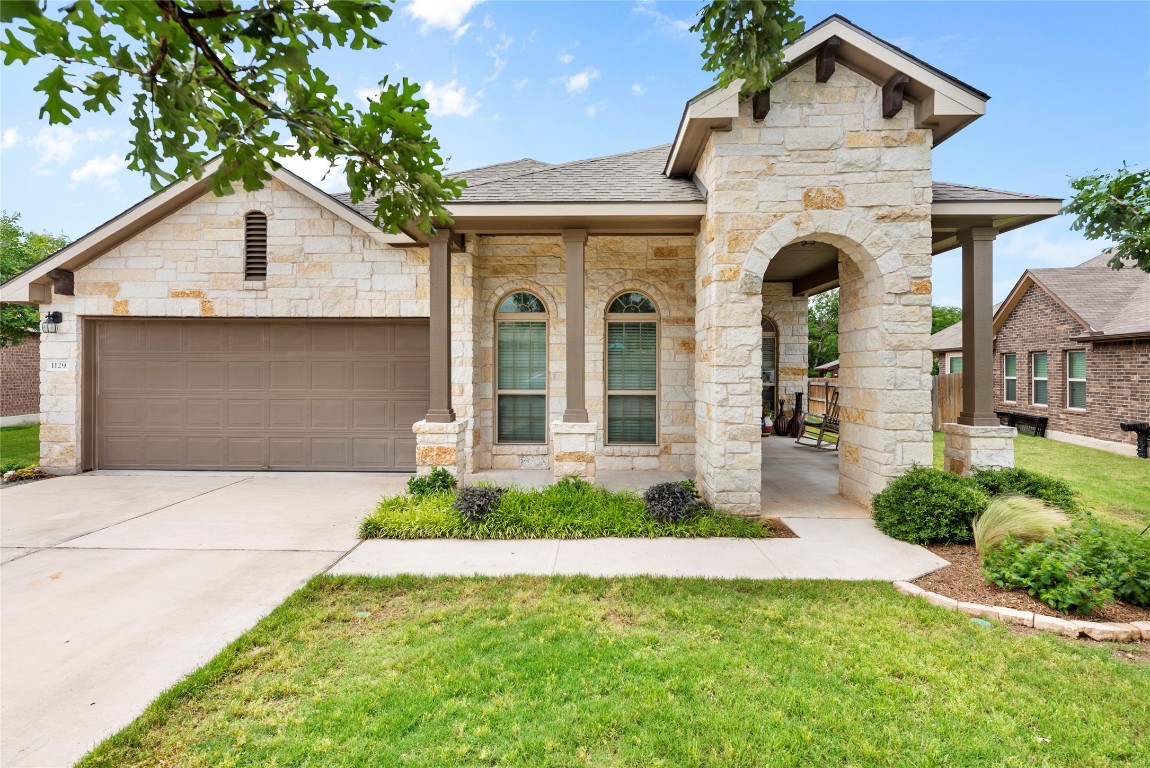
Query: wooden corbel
x=63, y=282
x=825, y=59
x=892, y=94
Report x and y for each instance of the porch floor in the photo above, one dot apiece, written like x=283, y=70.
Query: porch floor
x=802, y=481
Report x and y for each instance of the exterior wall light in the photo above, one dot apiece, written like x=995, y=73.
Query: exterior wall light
x=52, y=322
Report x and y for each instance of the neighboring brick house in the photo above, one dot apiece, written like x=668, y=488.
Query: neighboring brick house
x=1071, y=344
x=20, y=382
x=596, y=315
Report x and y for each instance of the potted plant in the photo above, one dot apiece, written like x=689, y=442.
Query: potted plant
x=768, y=418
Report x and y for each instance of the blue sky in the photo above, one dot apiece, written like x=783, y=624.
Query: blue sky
x=557, y=81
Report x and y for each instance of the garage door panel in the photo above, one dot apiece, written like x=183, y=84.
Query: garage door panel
x=206, y=375
x=254, y=394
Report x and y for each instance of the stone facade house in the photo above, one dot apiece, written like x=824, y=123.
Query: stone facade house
x=1072, y=344
x=605, y=314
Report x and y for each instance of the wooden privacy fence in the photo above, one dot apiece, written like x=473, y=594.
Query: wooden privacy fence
x=945, y=399
x=819, y=393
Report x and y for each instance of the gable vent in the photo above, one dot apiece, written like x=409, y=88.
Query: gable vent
x=255, y=246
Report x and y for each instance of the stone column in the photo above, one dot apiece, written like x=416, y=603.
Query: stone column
x=440, y=410
x=574, y=241
x=977, y=334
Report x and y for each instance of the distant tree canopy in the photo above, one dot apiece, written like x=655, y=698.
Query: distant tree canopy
x=943, y=317
x=822, y=329
x=20, y=249
x=1115, y=206
x=744, y=39
x=207, y=77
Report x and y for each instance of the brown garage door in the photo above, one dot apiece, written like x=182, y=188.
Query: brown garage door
x=255, y=394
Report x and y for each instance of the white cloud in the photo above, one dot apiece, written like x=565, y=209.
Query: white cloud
x=10, y=138
x=99, y=170
x=55, y=144
x=638, y=89
x=564, y=58
x=450, y=99
x=461, y=32
x=578, y=82
x=316, y=170
x=440, y=14
x=663, y=22
x=496, y=52
x=366, y=94
x=596, y=108
x=521, y=84
x=488, y=23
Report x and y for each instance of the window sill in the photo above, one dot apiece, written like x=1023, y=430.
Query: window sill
x=520, y=449
x=632, y=449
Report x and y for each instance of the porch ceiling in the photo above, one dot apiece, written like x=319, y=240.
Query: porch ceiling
x=809, y=266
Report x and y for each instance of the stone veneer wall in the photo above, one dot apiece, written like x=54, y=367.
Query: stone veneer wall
x=824, y=165
x=1117, y=373
x=20, y=374
x=789, y=314
x=191, y=265
x=661, y=267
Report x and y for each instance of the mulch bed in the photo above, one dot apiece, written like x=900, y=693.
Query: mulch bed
x=779, y=529
x=963, y=581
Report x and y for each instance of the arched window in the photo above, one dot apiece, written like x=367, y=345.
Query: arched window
x=255, y=246
x=521, y=370
x=632, y=370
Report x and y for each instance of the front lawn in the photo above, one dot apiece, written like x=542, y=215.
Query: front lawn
x=1113, y=485
x=640, y=671
x=560, y=511
x=19, y=447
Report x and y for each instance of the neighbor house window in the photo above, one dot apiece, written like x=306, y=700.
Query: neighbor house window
x=1039, y=391
x=954, y=363
x=1009, y=378
x=632, y=370
x=255, y=246
x=521, y=370
x=1076, y=378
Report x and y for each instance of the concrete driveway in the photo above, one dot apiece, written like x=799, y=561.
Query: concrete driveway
x=116, y=585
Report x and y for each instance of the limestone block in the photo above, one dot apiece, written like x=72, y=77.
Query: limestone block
x=1143, y=627
x=1055, y=624
x=907, y=588
x=940, y=600
x=1112, y=632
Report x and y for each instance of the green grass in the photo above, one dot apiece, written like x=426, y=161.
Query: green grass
x=19, y=446
x=580, y=511
x=1117, y=487
x=638, y=672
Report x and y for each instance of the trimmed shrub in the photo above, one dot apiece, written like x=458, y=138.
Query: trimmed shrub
x=927, y=505
x=1055, y=492
x=1022, y=517
x=474, y=503
x=438, y=481
x=671, y=502
x=1082, y=568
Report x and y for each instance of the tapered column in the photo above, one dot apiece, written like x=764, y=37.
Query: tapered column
x=574, y=241
x=977, y=332
x=440, y=409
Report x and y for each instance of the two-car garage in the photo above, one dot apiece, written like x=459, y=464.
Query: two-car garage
x=204, y=393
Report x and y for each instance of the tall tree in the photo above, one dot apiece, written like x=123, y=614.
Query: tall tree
x=1115, y=206
x=943, y=317
x=207, y=77
x=744, y=39
x=822, y=329
x=19, y=250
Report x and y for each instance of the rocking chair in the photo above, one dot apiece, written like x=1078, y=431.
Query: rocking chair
x=827, y=426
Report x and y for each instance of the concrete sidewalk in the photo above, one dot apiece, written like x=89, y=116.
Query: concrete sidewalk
x=844, y=549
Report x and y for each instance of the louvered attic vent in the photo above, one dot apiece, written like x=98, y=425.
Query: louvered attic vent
x=255, y=246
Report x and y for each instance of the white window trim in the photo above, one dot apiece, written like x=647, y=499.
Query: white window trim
x=630, y=317
x=1006, y=378
x=526, y=317
x=1034, y=378
x=1066, y=361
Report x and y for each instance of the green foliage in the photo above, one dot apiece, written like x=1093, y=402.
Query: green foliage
x=474, y=503
x=238, y=79
x=439, y=480
x=671, y=502
x=1015, y=480
x=1115, y=206
x=822, y=328
x=943, y=317
x=928, y=505
x=745, y=39
x=1022, y=517
x=569, y=509
x=1085, y=566
x=19, y=250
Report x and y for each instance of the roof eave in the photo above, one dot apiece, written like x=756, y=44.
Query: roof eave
x=949, y=218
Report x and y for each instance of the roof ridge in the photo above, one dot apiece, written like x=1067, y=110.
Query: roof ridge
x=572, y=163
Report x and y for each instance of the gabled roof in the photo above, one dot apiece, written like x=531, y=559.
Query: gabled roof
x=947, y=192
x=941, y=102
x=1108, y=303
x=33, y=286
